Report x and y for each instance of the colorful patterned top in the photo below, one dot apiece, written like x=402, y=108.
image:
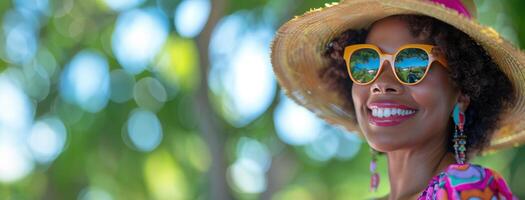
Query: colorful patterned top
x=467, y=181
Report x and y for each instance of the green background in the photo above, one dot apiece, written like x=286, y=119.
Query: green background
x=201, y=135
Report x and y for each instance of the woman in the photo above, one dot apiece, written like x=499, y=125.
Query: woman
x=421, y=80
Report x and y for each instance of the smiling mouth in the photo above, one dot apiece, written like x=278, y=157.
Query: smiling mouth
x=389, y=116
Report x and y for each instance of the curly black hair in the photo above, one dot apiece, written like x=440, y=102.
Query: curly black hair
x=471, y=69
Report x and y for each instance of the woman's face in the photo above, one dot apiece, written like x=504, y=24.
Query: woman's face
x=432, y=99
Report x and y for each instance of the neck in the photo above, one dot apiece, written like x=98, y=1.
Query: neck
x=410, y=170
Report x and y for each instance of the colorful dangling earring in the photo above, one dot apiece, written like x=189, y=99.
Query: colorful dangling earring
x=374, y=179
x=460, y=139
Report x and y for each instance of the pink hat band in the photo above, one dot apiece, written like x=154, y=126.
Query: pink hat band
x=455, y=5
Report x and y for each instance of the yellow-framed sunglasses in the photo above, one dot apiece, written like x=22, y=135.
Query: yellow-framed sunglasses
x=410, y=63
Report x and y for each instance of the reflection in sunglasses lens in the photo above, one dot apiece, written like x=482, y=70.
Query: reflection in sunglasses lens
x=364, y=64
x=411, y=64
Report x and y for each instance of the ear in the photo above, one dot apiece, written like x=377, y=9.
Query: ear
x=463, y=101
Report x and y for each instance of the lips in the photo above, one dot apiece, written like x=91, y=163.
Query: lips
x=390, y=120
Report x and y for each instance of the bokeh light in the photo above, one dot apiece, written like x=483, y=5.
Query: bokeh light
x=63, y=8
x=15, y=119
x=178, y=64
x=94, y=193
x=37, y=82
x=241, y=71
x=120, y=5
x=85, y=81
x=191, y=16
x=164, y=178
x=35, y=6
x=295, y=125
x=349, y=144
x=15, y=159
x=254, y=150
x=150, y=94
x=144, y=130
x=47, y=139
x=248, y=172
x=247, y=176
x=47, y=61
x=138, y=37
x=122, y=84
x=194, y=150
x=16, y=114
x=21, y=42
x=324, y=147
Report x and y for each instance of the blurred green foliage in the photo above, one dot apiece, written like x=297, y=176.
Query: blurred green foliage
x=199, y=146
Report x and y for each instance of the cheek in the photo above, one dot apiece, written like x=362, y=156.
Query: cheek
x=436, y=99
x=435, y=92
x=434, y=107
x=428, y=99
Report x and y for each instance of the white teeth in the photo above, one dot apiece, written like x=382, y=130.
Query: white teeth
x=387, y=112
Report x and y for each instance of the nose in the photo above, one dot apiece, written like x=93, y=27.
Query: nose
x=386, y=82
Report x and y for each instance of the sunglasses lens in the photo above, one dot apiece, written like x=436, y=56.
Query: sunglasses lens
x=364, y=64
x=411, y=64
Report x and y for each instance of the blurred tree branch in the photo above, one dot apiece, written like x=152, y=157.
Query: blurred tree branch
x=209, y=123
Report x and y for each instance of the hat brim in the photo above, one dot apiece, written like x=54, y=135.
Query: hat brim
x=296, y=56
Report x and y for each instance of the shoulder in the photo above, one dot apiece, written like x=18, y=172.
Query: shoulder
x=471, y=181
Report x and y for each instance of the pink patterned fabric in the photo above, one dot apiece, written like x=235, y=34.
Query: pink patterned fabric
x=467, y=181
x=455, y=5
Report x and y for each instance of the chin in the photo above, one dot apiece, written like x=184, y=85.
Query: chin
x=385, y=143
x=381, y=147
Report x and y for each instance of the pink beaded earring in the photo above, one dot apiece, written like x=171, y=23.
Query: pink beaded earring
x=374, y=179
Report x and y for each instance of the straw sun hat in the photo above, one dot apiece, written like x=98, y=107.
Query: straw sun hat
x=298, y=45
